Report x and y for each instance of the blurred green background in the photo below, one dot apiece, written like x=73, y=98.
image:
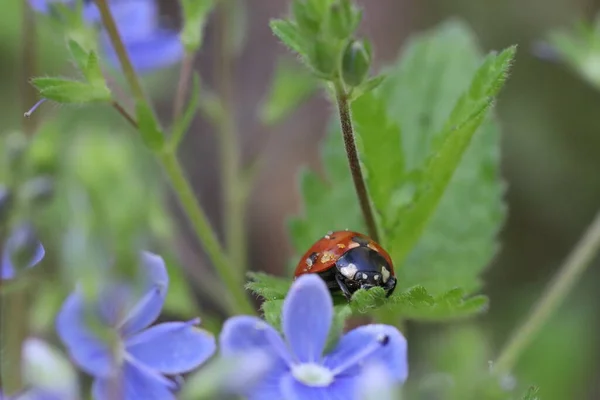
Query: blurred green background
x=551, y=148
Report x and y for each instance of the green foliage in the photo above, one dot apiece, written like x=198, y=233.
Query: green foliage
x=291, y=85
x=434, y=183
x=329, y=202
x=68, y=91
x=579, y=48
x=195, y=14
x=319, y=32
x=268, y=286
x=438, y=171
x=532, y=394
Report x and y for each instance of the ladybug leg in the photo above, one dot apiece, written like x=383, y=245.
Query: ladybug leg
x=343, y=287
x=389, y=287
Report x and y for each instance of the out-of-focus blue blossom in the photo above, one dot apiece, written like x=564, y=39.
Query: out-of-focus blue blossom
x=47, y=370
x=20, y=244
x=301, y=370
x=33, y=394
x=149, y=45
x=136, y=360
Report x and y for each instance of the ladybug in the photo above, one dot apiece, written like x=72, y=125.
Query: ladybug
x=349, y=261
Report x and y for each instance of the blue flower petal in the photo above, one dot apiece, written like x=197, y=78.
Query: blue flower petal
x=135, y=383
x=135, y=19
x=149, y=306
x=172, y=347
x=7, y=268
x=245, y=333
x=160, y=50
x=393, y=355
x=114, y=302
x=342, y=388
x=89, y=352
x=375, y=382
x=270, y=386
x=247, y=371
x=40, y=394
x=306, y=317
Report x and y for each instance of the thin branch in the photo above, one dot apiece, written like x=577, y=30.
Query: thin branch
x=555, y=293
x=185, y=76
x=117, y=106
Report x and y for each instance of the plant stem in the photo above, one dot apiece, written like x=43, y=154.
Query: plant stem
x=28, y=65
x=553, y=296
x=168, y=159
x=234, y=215
x=205, y=233
x=355, y=169
x=185, y=75
x=113, y=32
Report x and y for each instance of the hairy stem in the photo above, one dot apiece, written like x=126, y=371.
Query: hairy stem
x=121, y=110
x=185, y=76
x=234, y=215
x=552, y=298
x=113, y=32
x=355, y=169
x=205, y=233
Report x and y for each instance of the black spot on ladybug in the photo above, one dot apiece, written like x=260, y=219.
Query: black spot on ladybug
x=360, y=240
x=310, y=261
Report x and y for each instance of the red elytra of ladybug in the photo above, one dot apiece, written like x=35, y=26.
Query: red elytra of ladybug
x=349, y=261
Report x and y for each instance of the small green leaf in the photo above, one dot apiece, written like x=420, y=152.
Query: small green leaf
x=532, y=393
x=269, y=287
x=92, y=70
x=151, y=133
x=367, y=300
x=80, y=56
x=289, y=34
x=195, y=14
x=68, y=91
x=368, y=86
x=272, y=312
x=291, y=85
x=417, y=304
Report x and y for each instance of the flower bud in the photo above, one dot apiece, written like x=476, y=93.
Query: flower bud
x=356, y=62
x=325, y=58
x=22, y=246
x=306, y=20
x=342, y=20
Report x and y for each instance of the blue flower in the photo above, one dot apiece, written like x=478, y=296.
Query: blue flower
x=302, y=371
x=138, y=359
x=33, y=394
x=150, y=46
x=20, y=241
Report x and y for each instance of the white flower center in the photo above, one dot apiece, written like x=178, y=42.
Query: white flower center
x=313, y=374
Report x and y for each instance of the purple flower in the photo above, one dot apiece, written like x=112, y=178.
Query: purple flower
x=302, y=371
x=32, y=394
x=136, y=360
x=150, y=46
x=21, y=250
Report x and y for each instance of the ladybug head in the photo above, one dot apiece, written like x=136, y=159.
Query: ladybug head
x=364, y=268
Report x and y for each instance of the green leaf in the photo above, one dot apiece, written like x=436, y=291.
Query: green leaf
x=368, y=86
x=578, y=48
x=195, y=14
x=68, y=91
x=451, y=160
x=80, y=56
x=268, y=286
x=272, y=312
x=330, y=202
x=289, y=34
x=148, y=126
x=92, y=70
x=380, y=143
x=532, y=393
x=291, y=85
